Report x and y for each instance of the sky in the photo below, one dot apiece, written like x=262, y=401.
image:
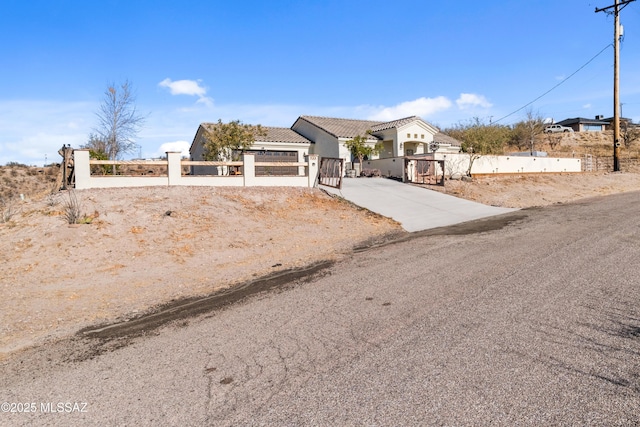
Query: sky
x=268, y=63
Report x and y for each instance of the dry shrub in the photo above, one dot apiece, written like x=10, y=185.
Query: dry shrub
x=52, y=199
x=8, y=208
x=72, y=209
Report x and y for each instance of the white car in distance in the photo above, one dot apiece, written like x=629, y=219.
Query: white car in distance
x=557, y=128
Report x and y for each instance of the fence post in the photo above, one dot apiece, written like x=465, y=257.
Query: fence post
x=313, y=162
x=302, y=157
x=82, y=168
x=174, y=168
x=249, y=169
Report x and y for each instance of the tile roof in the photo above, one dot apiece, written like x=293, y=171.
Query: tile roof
x=441, y=138
x=283, y=135
x=342, y=128
x=582, y=120
x=394, y=124
x=275, y=134
x=622, y=119
x=349, y=128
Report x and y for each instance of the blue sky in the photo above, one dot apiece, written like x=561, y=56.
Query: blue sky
x=270, y=62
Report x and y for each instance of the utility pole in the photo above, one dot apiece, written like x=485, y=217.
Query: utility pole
x=617, y=7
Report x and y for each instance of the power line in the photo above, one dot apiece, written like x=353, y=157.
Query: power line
x=563, y=80
x=617, y=7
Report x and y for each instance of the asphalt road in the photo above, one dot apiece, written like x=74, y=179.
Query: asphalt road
x=530, y=318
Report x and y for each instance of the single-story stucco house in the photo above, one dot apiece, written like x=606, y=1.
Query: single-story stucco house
x=581, y=124
x=597, y=124
x=278, y=145
x=327, y=136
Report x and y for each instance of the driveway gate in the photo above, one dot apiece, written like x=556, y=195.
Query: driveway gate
x=424, y=171
x=331, y=172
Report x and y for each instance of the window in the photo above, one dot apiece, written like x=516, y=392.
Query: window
x=408, y=135
x=415, y=136
x=422, y=136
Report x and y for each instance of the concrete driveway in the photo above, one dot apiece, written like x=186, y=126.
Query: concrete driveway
x=415, y=208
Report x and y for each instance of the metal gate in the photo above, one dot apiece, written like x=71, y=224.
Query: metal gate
x=331, y=172
x=424, y=171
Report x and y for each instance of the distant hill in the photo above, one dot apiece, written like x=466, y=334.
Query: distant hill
x=33, y=182
x=577, y=144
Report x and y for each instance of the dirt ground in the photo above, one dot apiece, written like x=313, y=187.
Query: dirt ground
x=143, y=247
x=148, y=246
x=528, y=190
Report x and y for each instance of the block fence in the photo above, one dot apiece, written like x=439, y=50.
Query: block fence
x=174, y=163
x=457, y=165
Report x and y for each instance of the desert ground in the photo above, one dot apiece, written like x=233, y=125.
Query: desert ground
x=529, y=190
x=137, y=249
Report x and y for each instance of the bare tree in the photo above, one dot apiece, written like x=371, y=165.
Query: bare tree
x=453, y=166
x=118, y=121
x=554, y=139
x=96, y=145
x=630, y=133
x=524, y=133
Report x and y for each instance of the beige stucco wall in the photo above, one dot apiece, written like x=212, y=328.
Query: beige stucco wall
x=414, y=136
x=390, y=166
x=85, y=180
x=457, y=164
x=325, y=145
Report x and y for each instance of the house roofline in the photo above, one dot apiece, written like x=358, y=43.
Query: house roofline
x=376, y=126
x=306, y=119
x=266, y=128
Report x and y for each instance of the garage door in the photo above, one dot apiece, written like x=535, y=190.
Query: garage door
x=276, y=156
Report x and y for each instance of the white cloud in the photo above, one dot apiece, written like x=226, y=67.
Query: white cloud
x=587, y=106
x=187, y=87
x=205, y=100
x=181, y=146
x=421, y=107
x=471, y=100
x=184, y=87
x=32, y=130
